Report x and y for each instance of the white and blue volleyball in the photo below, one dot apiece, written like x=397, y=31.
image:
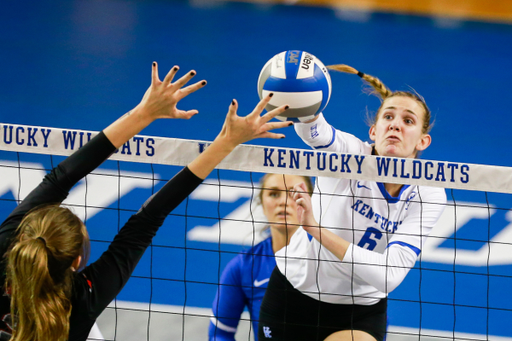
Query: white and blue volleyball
x=296, y=78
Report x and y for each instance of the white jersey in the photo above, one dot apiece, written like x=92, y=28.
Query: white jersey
x=386, y=233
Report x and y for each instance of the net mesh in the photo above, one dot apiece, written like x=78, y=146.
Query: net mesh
x=458, y=289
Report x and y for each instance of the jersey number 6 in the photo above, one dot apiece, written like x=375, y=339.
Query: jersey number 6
x=370, y=238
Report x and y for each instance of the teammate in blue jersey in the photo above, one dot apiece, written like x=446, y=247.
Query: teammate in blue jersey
x=245, y=278
x=358, y=239
x=49, y=292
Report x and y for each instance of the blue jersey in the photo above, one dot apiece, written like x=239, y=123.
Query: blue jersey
x=242, y=284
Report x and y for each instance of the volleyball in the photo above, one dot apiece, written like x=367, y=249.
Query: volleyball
x=296, y=78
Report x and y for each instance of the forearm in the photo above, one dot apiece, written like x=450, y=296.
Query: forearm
x=382, y=271
x=84, y=160
x=170, y=195
x=128, y=126
x=226, y=315
x=203, y=165
x=316, y=133
x=332, y=242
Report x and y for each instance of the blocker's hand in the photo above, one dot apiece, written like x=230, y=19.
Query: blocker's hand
x=239, y=129
x=161, y=98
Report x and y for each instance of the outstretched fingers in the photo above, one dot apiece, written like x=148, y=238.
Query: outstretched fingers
x=170, y=75
x=266, y=127
x=265, y=130
x=269, y=135
x=162, y=97
x=191, y=88
x=183, y=80
x=261, y=105
x=276, y=112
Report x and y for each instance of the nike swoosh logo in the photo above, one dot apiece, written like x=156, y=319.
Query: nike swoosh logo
x=260, y=283
x=361, y=186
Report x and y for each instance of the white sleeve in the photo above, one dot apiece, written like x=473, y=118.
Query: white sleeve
x=386, y=271
x=382, y=271
x=321, y=135
x=423, y=212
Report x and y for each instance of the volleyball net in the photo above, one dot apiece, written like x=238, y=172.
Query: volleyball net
x=458, y=289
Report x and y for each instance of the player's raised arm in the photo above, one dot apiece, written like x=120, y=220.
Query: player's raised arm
x=47, y=243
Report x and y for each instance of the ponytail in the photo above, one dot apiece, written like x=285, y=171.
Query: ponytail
x=383, y=92
x=41, y=308
x=379, y=88
x=39, y=274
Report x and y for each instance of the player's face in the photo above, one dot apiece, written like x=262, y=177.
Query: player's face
x=278, y=205
x=398, y=130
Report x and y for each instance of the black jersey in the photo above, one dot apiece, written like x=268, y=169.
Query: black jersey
x=98, y=284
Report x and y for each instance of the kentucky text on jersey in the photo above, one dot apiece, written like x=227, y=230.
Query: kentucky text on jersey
x=368, y=212
x=348, y=163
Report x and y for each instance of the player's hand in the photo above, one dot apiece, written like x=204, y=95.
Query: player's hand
x=239, y=129
x=161, y=98
x=304, y=207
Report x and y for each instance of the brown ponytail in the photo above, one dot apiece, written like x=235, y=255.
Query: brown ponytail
x=39, y=273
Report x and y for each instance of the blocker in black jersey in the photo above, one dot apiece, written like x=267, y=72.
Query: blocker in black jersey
x=97, y=285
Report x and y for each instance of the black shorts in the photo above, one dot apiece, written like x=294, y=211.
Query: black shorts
x=288, y=314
